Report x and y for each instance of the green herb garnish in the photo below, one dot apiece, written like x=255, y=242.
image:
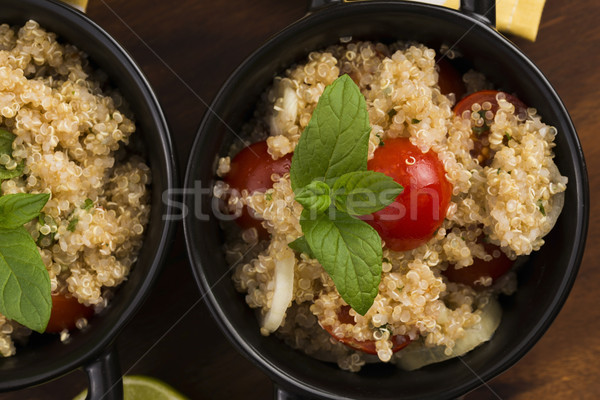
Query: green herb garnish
x=269, y=196
x=6, y=141
x=415, y=121
x=300, y=245
x=507, y=136
x=541, y=207
x=24, y=281
x=332, y=152
x=314, y=196
x=73, y=224
x=87, y=205
x=364, y=192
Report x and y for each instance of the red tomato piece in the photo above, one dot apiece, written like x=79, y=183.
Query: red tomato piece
x=481, y=149
x=450, y=80
x=489, y=96
x=367, y=346
x=65, y=312
x=415, y=215
x=251, y=170
x=494, y=268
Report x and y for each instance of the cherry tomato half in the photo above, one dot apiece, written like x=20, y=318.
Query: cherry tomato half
x=489, y=96
x=415, y=215
x=481, y=149
x=495, y=268
x=65, y=312
x=449, y=79
x=367, y=346
x=251, y=170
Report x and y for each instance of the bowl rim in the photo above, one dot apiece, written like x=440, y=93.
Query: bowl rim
x=271, y=368
x=93, y=349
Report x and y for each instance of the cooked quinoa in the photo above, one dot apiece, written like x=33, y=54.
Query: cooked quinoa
x=501, y=201
x=71, y=134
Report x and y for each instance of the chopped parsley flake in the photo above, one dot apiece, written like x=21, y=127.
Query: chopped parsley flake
x=87, y=205
x=541, y=207
x=73, y=224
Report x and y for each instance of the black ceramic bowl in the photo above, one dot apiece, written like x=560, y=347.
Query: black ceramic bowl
x=46, y=357
x=544, y=282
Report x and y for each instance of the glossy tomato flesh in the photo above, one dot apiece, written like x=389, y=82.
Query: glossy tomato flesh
x=471, y=275
x=415, y=215
x=489, y=96
x=367, y=346
x=251, y=169
x=481, y=149
x=65, y=312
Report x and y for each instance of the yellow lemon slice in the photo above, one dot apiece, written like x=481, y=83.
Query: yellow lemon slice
x=144, y=388
x=81, y=5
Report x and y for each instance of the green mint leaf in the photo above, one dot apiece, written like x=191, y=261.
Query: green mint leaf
x=20, y=208
x=12, y=173
x=24, y=281
x=73, y=224
x=336, y=139
x=541, y=207
x=350, y=251
x=87, y=205
x=300, y=245
x=6, y=141
x=314, y=196
x=364, y=192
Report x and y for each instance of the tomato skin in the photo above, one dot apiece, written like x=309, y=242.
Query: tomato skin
x=494, y=268
x=65, y=312
x=488, y=95
x=481, y=150
x=449, y=79
x=251, y=170
x=367, y=346
x=415, y=215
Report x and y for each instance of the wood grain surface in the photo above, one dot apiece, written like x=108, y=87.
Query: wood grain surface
x=187, y=48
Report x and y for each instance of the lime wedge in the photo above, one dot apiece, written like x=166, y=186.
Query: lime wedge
x=144, y=388
x=81, y=5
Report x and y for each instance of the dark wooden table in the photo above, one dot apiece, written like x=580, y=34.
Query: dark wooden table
x=187, y=48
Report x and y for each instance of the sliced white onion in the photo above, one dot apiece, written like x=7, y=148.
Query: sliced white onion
x=285, y=114
x=283, y=293
x=290, y=105
x=417, y=355
x=556, y=206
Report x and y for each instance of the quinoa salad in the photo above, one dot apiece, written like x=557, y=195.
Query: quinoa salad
x=69, y=132
x=505, y=195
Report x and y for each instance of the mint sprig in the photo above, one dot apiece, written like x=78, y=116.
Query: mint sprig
x=364, y=192
x=336, y=140
x=315, y=196
x=24, y=282
x=18, y=209
x=330, y=178
x=6, y=141
x=350, y=251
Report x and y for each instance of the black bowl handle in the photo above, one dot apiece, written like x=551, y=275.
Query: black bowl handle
x=482, y=10
x=104, y=375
